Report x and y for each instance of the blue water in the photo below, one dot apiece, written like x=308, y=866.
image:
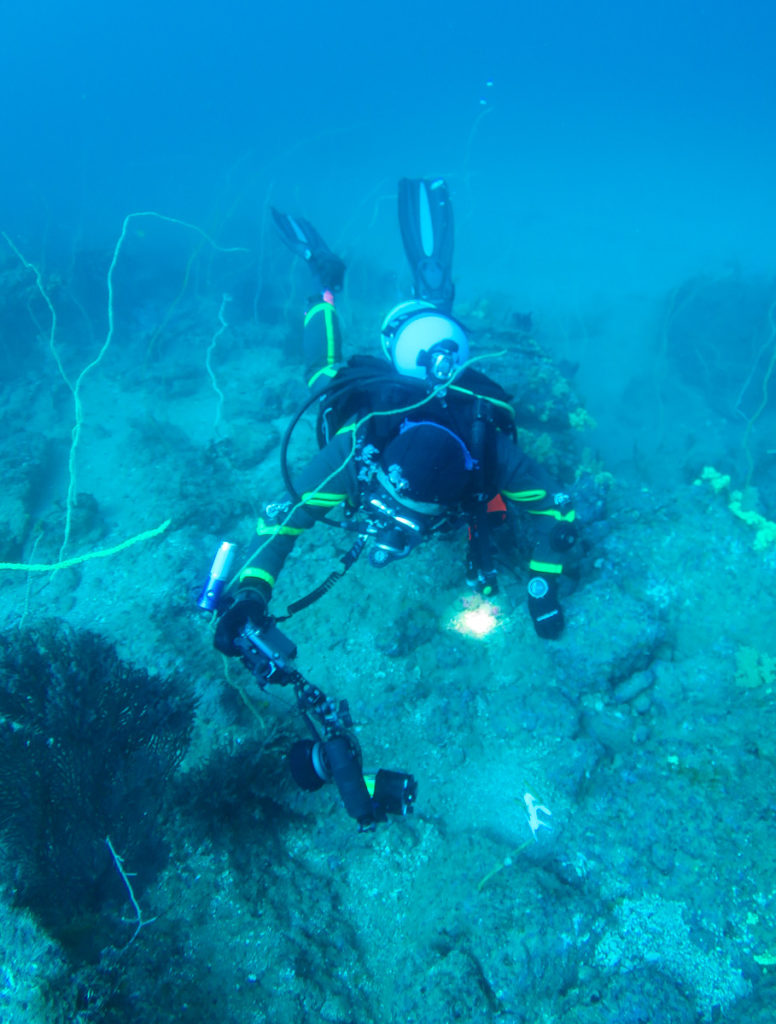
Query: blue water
x=618, y=144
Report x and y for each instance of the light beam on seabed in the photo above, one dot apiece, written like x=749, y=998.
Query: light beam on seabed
x=478, y=617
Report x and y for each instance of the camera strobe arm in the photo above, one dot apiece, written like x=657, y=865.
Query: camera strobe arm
x=334, y=754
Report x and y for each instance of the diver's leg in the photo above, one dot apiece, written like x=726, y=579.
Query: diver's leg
x=322, y=341
x=322, y=335
x=427, y=231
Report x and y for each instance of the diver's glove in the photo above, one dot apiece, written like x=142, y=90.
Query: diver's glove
x=564, y=535
x=248, y=606
x=544, y=608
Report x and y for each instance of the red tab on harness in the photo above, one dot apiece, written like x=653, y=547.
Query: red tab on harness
x=497, y=510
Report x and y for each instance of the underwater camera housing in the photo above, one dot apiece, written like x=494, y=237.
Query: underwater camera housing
x=265, y=650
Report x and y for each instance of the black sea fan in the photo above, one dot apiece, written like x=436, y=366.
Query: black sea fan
x=88, y=744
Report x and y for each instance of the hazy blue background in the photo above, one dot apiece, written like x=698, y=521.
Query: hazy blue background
x=621, y=147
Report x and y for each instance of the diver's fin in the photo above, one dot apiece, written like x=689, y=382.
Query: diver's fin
x=427, y=231
x=303, y=240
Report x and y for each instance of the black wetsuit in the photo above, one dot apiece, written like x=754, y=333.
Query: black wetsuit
x=335, y=475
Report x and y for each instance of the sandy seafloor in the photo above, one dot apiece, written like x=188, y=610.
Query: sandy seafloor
x=647, y=729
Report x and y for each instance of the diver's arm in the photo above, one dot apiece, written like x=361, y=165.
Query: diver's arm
x=326, y=481
x=526, y=484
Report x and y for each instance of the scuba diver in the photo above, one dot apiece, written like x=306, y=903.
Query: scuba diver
x=412, y=444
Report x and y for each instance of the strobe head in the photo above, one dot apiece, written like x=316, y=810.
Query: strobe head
x=394, y=793
x=368, y=799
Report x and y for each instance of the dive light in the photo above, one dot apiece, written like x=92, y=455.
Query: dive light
x=216, y=581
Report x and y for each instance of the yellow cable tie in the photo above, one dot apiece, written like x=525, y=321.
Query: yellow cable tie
x=549, y=567
x=525, y=495
x=278, y=531
x=254, y=573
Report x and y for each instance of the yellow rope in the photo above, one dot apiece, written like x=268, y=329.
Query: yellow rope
x=79, y=559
